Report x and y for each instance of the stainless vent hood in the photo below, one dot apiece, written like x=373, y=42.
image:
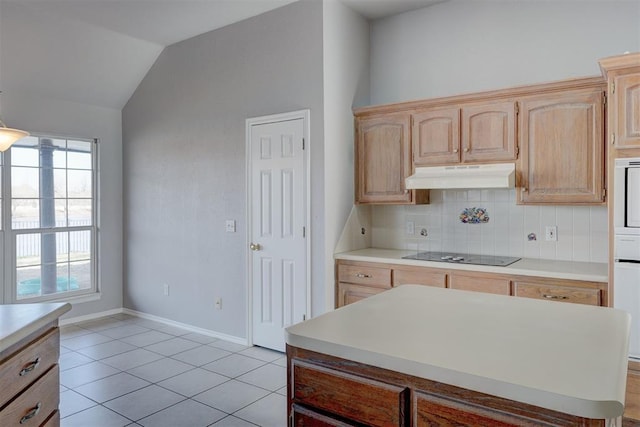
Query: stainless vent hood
x=500, y=175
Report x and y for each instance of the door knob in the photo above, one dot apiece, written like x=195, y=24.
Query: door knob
x=255, y=246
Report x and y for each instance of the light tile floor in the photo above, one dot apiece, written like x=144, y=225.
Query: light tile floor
x=126, y=371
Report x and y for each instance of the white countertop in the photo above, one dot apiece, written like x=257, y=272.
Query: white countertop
x=566, y=357
x=17, y=321
x=588, y=271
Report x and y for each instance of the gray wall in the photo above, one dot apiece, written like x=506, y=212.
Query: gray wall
x=184, y=162
x=467, y=46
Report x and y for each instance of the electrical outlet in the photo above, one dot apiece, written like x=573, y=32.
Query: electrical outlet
x=218, y=303
x=230, y=226
x=551, y=233
x=165, y=289
x=410, y=227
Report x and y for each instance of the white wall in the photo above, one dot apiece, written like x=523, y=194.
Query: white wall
x=346, y=84
x=184, y=162
x=582, y=230
x=60, y=118
x=463, y=46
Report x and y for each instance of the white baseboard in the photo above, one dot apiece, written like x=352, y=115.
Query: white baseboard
x=92, y=316
x=191, y=328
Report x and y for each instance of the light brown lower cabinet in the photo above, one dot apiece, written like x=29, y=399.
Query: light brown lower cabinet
x=328, y=391
x=632, y=403
x=557, y=293
x=349, y=293
x=478, y=282
x=419, y=276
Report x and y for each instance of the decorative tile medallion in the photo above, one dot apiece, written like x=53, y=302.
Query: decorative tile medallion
x=474, y=216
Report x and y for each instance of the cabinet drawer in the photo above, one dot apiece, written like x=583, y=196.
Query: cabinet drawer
x=53, y=421
x=24, y=367
x=370, y=402
x=558, y=293
x=365, y=275
x=491, y=285
x=419, y=276
x=349, y=293
x=303, y=417
x=35, y=404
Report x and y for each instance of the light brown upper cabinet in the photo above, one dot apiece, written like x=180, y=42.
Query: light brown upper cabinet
x=562, y=139
x=623, y=75
x=383, y=160
x=483, y=132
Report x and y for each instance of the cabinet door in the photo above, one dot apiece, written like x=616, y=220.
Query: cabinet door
x=562, y=159
x=489, y=132
x=365, y=274
x=436, y=137
x=626, y=103
x=476, y=283
x=349, y=293
x=383, y=159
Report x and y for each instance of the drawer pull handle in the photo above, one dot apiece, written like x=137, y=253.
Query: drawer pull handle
x=547, y=296
x=363, y=276
x=32, y=413
x=30, y=367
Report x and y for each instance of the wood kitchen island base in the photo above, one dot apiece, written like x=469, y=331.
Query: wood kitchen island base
x=328, y=391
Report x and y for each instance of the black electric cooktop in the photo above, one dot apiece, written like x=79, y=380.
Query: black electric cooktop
x=459, y=258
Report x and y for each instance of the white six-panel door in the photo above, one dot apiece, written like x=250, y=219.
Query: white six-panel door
x=277, y=209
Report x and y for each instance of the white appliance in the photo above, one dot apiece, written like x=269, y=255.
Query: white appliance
x=626, y=197
x=626, y=222
x=500, y=175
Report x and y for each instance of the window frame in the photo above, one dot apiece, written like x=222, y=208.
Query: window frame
x=8, y=250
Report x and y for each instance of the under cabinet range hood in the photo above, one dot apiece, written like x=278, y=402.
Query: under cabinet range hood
x=499, y=175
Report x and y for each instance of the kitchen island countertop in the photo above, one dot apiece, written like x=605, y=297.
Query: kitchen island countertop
x=17, y=321
x=571, y=270
x=570, y=358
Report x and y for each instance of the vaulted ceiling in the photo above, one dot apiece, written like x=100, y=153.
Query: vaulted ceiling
x=97, y=52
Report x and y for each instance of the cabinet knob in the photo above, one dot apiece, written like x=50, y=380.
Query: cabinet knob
x=455, y=150
x=29, y=367
x=524, y=189
x=362, y=276
x=466, y=150
x=32, y=413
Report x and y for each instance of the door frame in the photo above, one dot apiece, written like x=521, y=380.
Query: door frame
x=305, y=115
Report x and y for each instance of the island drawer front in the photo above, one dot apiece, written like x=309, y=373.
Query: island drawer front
x=435, y=410
x=365, y=275
x=349, y=293
x=303, y=417
x=25, y=366
x=419, y=277
x=34, y=406
x=557, y=293
x=370, y=402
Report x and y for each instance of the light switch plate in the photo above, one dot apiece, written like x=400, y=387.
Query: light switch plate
x=230, y=226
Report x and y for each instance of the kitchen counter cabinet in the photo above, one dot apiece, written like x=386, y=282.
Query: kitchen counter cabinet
x=562, y=158
x=623, y=77
x=418, y=355
x=29, y=372
x=356, y=280
x=383, y=161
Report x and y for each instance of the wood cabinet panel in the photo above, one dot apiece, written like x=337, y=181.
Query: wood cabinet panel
x=356, y=398
x=363, y=274
x=304, y=417
x=36, y=404
x=435, y=410
x=479, y=283
x=24, y=367
x=562, y=159
x=557, y=293
x=632, y=402
x=627, y=106
x=489, y=132
x=419, y=276
x=383, y=150
x=53, y=421
x=436, y=137
x=349, y=293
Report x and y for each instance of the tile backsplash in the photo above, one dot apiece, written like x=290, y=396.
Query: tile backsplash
x=581, y=230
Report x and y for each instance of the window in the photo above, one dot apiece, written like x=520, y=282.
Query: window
x=50, y=220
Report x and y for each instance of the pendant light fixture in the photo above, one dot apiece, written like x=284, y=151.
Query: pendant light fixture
x=8, y=136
